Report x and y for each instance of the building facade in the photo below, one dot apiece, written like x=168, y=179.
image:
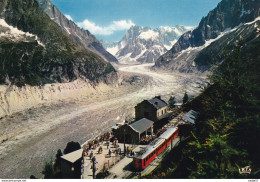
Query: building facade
x=153, y=109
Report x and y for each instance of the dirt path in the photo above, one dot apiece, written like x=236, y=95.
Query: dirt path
x=35, y=135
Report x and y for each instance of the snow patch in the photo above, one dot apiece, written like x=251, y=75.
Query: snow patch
x=150, y=34
x=168, y=47
x=189, y=27
x=126, y=59
x=243, y=12
x=78, y=36
x=16, y=34
x=67, y=29
x=113, y=50
x=207, y=42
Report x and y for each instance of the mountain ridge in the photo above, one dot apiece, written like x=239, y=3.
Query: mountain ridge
x=82, y=37
x=227, y=15
x=48, y=56
x=144, y=44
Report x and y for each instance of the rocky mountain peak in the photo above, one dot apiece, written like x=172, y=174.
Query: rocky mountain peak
x=82, y=37
x=144, y=44
x=227, y=16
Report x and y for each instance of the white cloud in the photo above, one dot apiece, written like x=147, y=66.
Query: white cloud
x=108, y=30
x=69, y=17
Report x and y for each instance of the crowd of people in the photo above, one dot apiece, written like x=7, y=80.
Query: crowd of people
x=160, y=131
x=146, y=139
x=93, y=144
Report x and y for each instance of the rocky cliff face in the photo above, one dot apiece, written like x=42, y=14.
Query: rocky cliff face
x=140, y=44
x=82, y=37
x=34, y=50
x=143, y=44
x=225, y=17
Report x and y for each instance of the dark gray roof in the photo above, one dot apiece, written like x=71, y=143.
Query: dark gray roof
x=157, y=103
x=191, y=116
x=142, y=125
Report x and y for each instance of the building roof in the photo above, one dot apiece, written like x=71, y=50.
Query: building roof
x=168, y=132
x=142, y=125
x=191, y=116
x=73, y=156
x=157, y=102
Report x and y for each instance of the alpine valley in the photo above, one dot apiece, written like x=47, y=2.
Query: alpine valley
x=62, y=88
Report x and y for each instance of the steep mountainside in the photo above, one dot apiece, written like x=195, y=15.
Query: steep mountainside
x=82, y=37
x=34, y=49
x=142, y=44
x=227, y=16
x=225, y=134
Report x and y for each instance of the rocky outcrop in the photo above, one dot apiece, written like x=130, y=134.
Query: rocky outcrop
x=82, y=37
x=227, y=15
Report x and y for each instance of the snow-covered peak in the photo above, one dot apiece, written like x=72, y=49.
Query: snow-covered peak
x=150, y=34
x=165, y=29
x=178, y=29
x=143, y=44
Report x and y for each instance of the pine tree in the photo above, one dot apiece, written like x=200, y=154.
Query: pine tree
x=57, y=164
x=48, y=171
x=172, y=102
x=185, y=98
x=71, y=147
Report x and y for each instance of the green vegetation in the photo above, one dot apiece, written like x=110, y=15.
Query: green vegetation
x=59, y=60
x=172, y=102
x=48, y=171
x=57, y=164
x=71, y=147
x=185, y=98
x=225, y=138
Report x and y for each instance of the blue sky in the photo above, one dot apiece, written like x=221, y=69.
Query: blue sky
x=110, y=19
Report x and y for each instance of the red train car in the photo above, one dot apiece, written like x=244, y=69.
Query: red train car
x=143, y=159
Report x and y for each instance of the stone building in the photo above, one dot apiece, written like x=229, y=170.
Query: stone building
x=132, y=133
x=154, y=109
